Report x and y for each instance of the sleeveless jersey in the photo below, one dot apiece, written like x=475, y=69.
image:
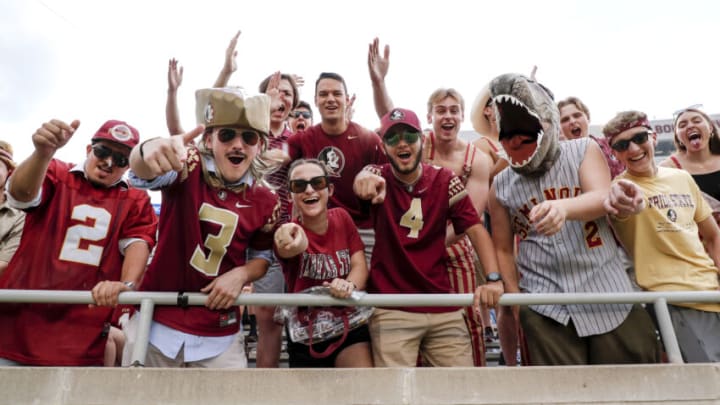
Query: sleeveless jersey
x=582, y=257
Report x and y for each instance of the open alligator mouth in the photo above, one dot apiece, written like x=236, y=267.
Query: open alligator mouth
x=521, y=131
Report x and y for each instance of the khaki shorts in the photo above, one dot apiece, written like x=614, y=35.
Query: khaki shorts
x=441, y=338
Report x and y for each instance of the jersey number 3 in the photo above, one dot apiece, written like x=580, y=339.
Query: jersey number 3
x=71, y=250
x=413, y=218
x=216, y=243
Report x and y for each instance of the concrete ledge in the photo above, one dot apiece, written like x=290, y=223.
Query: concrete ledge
x=645, y=384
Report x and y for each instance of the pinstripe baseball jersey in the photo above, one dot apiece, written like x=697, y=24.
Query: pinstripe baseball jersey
x=581, y=257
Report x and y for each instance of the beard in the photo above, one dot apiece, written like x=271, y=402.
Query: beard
x=414, y=166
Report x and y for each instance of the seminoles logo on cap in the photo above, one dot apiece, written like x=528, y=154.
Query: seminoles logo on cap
x=121, y=132
x=396, y=115
x=209, y=113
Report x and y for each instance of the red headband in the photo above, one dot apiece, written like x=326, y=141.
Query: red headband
x=640, y=122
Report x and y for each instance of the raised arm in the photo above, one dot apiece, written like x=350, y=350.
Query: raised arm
x=28, y=176
x=378, y=67
x=230, y=65
x=172, y=114
x=157, y=156
x=549, y=216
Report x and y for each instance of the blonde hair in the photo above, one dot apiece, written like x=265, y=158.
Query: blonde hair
x=259, y=167
x=442, y=94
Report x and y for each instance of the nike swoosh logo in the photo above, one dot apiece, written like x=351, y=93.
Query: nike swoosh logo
x=238, y=205
x=352, y=137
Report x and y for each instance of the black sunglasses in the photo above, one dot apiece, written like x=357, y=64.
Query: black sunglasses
x=103, y=152
x=394, y=139
x=318, y=183
x=638, y=139
x=298, y=114
x=250, y=138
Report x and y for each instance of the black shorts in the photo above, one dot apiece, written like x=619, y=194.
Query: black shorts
x=300, y=353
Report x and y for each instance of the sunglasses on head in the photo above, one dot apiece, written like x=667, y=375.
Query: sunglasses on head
x=317, y=183
x=298, y=114
x=638, y=139
x=103, y=152
x=677, y=113
x=250, y=138
x=394, y=139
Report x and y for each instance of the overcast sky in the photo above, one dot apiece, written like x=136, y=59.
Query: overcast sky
x=99, y=60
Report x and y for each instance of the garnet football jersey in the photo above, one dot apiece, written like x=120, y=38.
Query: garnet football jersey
x=71, y=242
x=204, y=233
x=410, y=229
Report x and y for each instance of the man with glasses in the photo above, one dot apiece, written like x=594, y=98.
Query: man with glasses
x=301, y=118
x=85, y=229
x=412, y=204
x=215, y=226
x=660, y=216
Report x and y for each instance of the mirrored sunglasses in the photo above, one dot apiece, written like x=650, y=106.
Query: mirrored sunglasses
x=638, y=139
x=103, y=152
x=250, y=138
x=317, y=183
x=394, y=139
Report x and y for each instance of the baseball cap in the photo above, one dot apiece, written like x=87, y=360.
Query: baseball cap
x=398, y=116
x=231, y=107
x=6, y=155
x=119, y=132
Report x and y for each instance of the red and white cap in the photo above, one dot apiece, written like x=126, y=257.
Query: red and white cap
x=119, y=132
x=398, y=116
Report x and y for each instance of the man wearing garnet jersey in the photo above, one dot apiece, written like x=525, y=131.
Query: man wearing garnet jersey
x=344, y=146
x=85, y=229
x=410, y=216
x=215, y=226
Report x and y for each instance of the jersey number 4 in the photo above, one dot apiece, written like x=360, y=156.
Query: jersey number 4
x=413, y=218
x=216, y=243
x=71, y=249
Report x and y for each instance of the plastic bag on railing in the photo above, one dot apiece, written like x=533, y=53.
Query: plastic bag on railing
x=308, y=325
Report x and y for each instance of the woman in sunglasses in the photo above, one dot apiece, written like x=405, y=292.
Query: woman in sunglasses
x=322, y=247
x=697, y=140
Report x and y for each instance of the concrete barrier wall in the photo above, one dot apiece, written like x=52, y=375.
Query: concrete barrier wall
x=652, y=384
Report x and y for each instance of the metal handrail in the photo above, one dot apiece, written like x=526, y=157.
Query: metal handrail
x=149, y=300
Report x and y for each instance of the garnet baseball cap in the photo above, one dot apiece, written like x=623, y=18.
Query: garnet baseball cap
x=119, y=132
x=398, y=116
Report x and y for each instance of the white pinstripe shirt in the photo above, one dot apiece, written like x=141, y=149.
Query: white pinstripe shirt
x=582, y=257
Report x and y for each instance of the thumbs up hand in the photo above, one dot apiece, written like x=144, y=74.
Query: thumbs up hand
x=161, y=155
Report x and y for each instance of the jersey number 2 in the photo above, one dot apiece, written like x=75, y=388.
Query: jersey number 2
x=413, y=218
x=71, y=250
x=216, y=243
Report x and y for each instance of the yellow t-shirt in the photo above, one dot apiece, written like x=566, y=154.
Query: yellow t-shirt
x=663, y=238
